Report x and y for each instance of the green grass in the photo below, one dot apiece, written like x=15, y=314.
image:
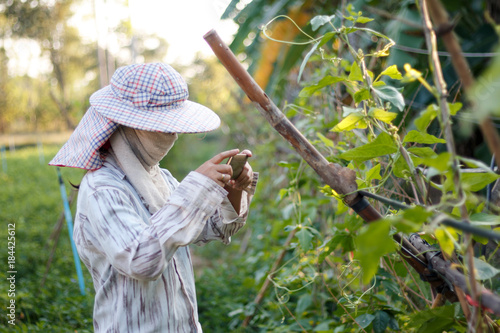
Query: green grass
x=30, y=198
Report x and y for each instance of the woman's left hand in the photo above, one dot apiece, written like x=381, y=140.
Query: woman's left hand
x=245, y=178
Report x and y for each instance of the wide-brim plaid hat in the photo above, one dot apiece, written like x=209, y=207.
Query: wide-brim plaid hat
x=150, y=97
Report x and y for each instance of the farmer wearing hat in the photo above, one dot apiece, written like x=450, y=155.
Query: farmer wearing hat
x=134, y=221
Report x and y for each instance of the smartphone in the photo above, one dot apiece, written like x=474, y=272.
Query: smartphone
x=237, y=162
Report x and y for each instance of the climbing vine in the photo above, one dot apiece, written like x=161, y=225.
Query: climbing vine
x=341, y=274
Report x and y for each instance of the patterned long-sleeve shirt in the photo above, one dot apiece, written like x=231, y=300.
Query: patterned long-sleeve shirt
x=140, y=263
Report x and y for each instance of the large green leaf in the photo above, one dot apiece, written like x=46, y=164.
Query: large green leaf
x=365, y=319
x=392, y=72
x=421, y=137
x=382, y=145
x=382, y=115
x=426, y=117
x=326, y=81
x=483, y=270
x=483, y=219
x=355, y=74
x=391, y=95
x=361, y=95
x=476, y=181
x=439, y=162
x=320, y=20
x=352, y=121
x=410, y=220
x=373, y=242
x=446, y=237
x=434, y=320
x=381, y=321
x=305, y=238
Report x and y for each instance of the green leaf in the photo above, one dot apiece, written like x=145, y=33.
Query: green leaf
x=426, y=117
x=401, y=169
x=483, y=270
x=327, y=142
x=373, y=242
x=289, y=165
x=391, y=95
x=382, y=145
x=417, y=154
x=327, y=37
x=363, y=19
x=306, y=59
x=352, y=121
x=446, y=237
x=382, y=115
x=410, y=220
x=355, y=74
x=480, y=219
x=373, y=173
x=381, y=321
x=454, y=107
x=303, y=303
x=392, y=72
x=420, y=137
x=422, y=151
x=474, y=182
x=348, y=110
x=434, y=320
x=320, y=20
x=365, y=320
x=439, y=162
x=361, y=95
x=305, y=238
x=326, y=81
x=471, y=163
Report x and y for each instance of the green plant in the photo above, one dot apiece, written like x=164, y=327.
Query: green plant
x=413, y=165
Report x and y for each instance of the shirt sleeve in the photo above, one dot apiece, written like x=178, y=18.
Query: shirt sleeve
x=142, y=250
x=226, y=222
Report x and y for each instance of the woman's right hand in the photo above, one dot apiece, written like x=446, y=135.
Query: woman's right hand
x=220, y=173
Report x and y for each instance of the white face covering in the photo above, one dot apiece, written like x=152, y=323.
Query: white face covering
x=138, y=154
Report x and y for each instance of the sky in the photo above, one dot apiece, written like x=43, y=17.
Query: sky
x=182, y=23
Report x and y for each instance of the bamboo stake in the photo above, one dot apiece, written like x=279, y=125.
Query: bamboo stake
x=445, y=121
x=341, y=179
x=440, y=18
x=488, y=300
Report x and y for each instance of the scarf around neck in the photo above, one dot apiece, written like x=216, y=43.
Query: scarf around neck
x=138, y=154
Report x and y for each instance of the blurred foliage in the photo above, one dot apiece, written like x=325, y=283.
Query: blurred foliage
x=69, y=66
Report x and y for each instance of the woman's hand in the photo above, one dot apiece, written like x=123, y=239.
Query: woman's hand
x=246, y=176
x=220, y=173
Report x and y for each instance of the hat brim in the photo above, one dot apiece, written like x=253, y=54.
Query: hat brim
x=188, y=117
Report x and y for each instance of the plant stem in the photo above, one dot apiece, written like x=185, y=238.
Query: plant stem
x=440, y=17
x=445, y=120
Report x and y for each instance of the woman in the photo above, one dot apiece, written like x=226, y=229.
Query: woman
x=134, y=221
